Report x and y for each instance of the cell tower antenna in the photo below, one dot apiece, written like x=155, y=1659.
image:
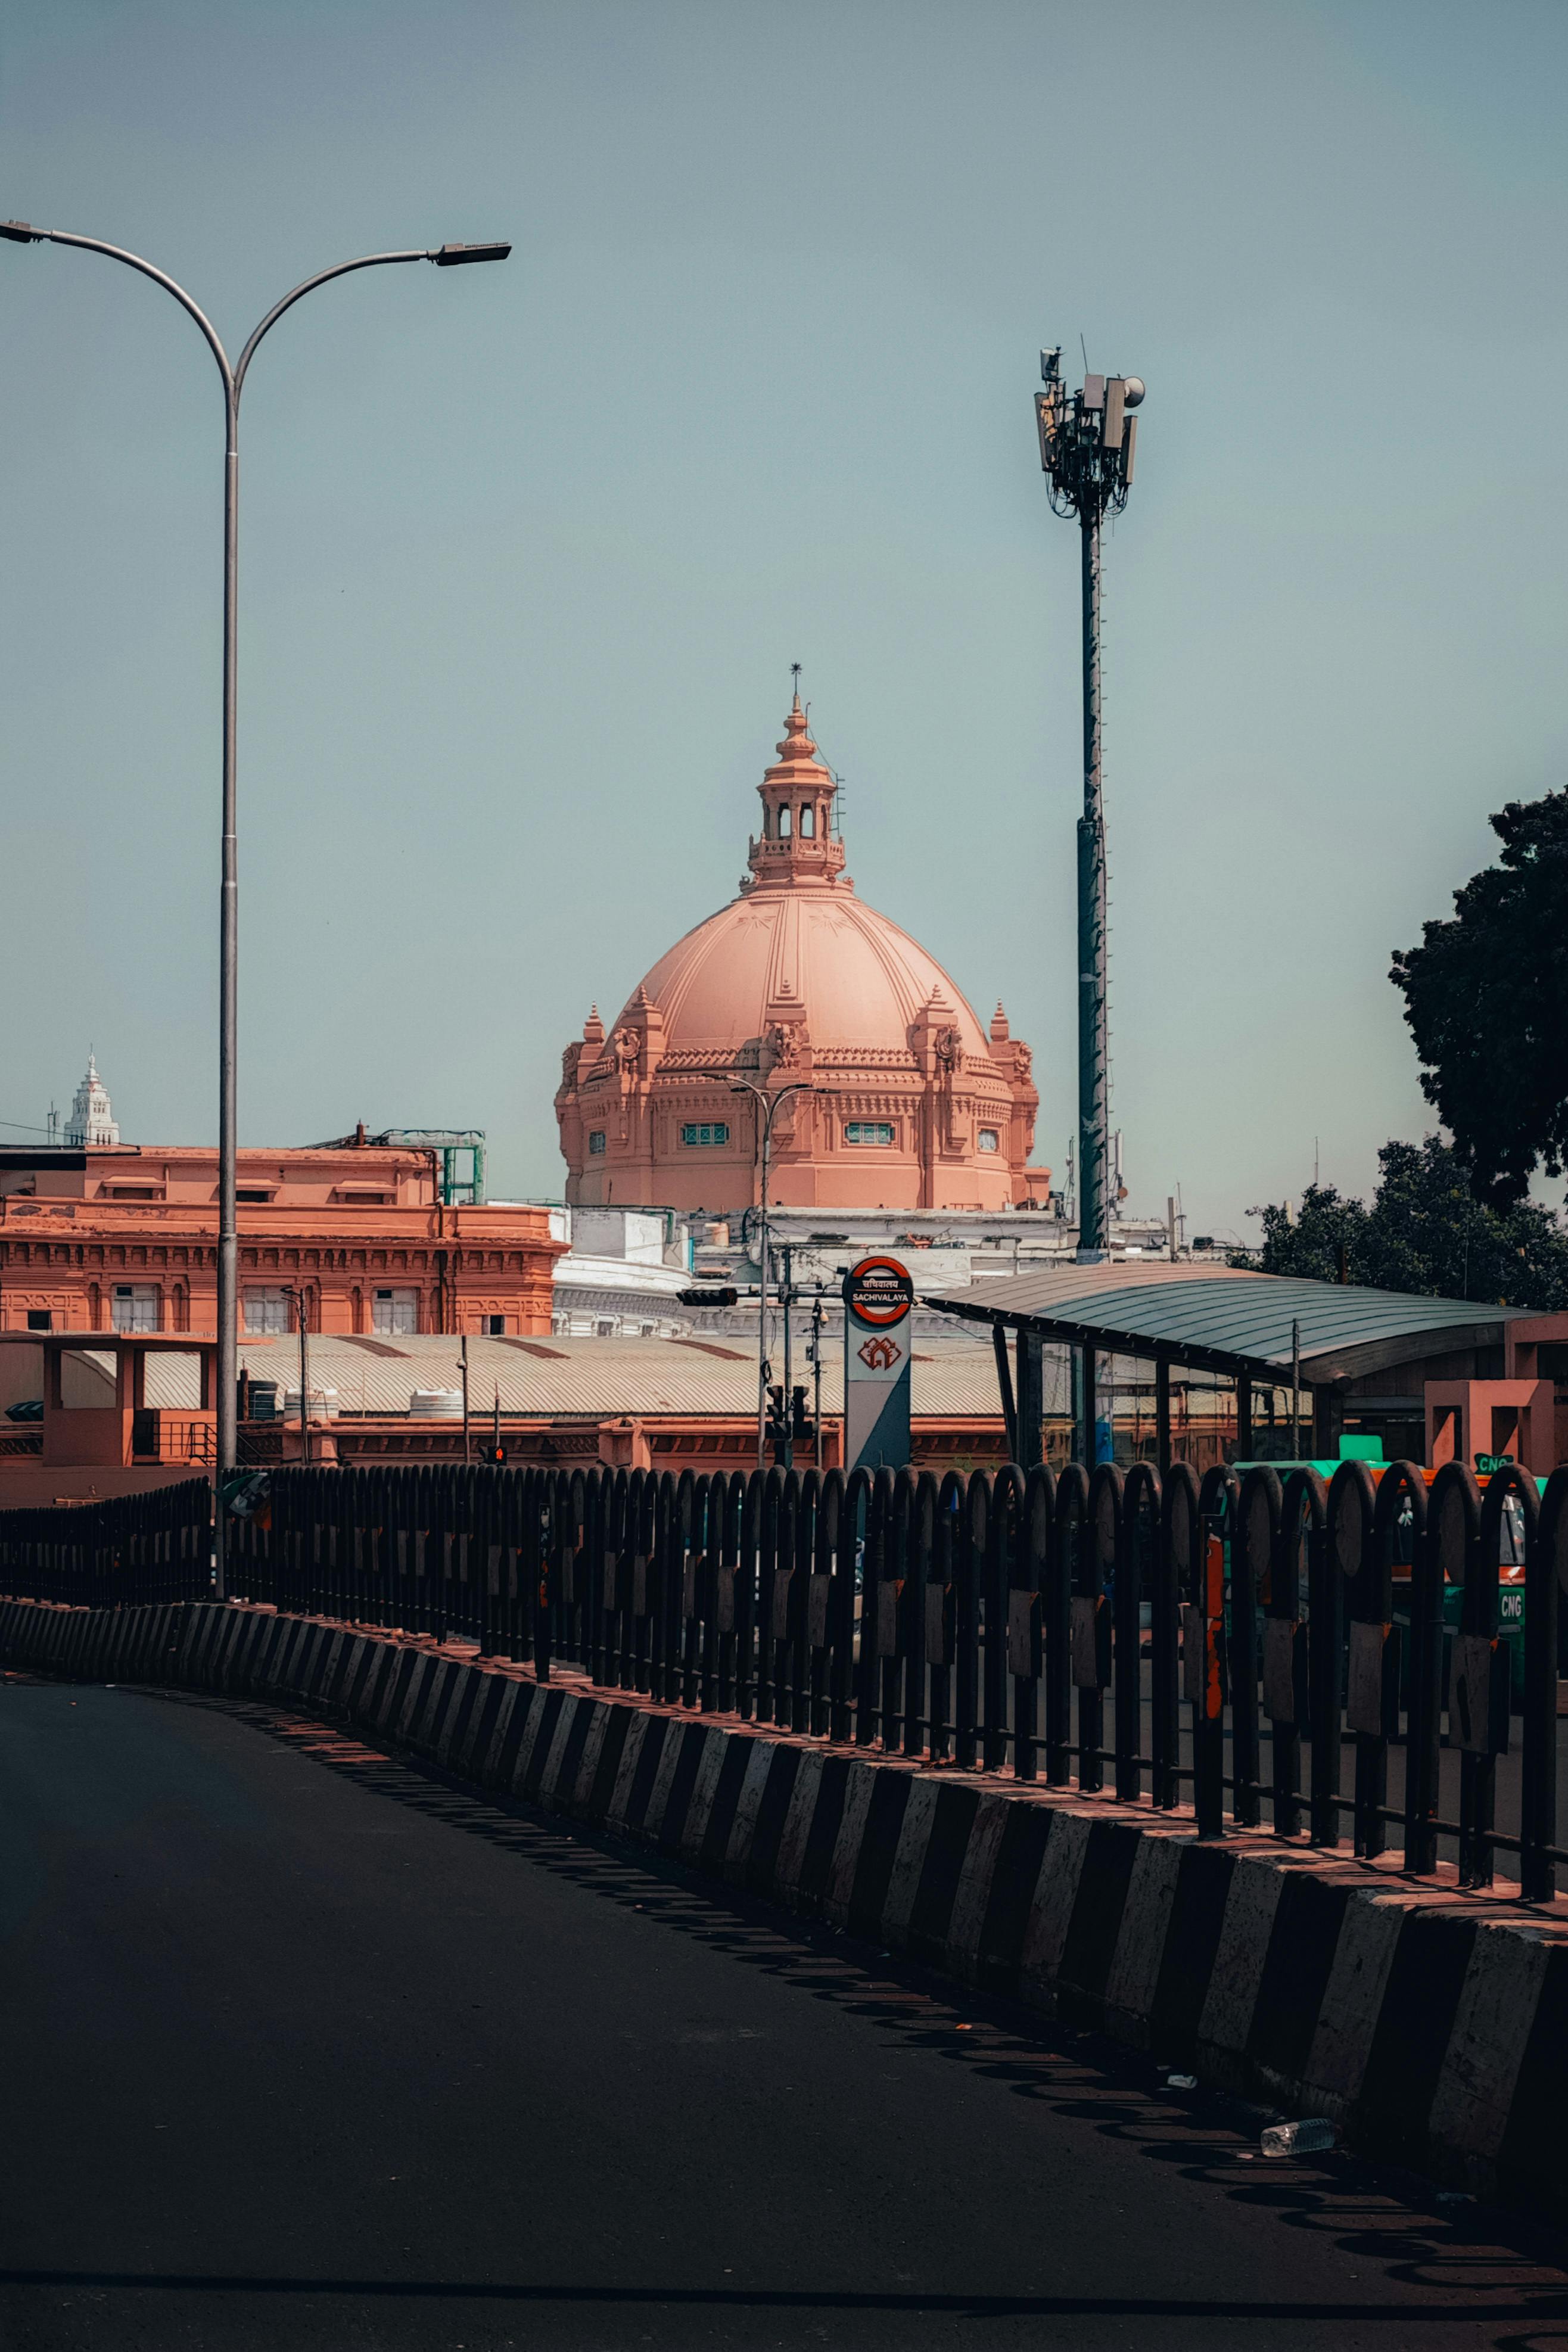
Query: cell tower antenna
x=1086, y=441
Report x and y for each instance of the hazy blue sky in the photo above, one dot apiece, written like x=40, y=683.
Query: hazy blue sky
x=527, y=552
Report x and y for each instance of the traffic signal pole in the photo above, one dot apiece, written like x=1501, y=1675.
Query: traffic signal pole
x=786, y=1299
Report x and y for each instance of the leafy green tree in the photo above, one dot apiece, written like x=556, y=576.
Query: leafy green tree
x=1486, y=996
x=1424, y=1231
x=1318, y=1239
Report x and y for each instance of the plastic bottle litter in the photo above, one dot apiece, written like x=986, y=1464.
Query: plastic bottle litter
x=1180, y=2081
x=1305, y=2138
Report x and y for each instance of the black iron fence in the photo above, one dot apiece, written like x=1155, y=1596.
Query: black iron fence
x=153, y=1546
x=1263, y=1649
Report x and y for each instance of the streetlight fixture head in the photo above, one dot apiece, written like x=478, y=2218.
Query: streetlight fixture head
x=21, y=232
x=450, y=257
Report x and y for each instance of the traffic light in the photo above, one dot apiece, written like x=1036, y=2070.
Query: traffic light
x=496, y=1453
x=725, y=1297
x=802, y=1428
x=778, y=1423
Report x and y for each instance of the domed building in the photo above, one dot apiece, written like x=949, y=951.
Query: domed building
x=914, y=1104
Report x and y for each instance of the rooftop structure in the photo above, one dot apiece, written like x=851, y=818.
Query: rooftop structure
x=1370, y=1359
x=914, y=1103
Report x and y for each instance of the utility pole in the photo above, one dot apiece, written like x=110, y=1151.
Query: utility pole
x=300, y=1316
x=1086, y=441
x=463, y=1368
x=818, y=1316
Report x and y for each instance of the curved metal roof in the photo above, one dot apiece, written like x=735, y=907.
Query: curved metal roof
x=1230, y=1320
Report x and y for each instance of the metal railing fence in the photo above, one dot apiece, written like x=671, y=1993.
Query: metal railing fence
x=1215, y=1643
x=155, y=1547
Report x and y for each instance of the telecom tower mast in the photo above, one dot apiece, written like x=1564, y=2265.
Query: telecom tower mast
x=1086, y=447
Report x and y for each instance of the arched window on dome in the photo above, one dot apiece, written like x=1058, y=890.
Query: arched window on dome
x=807, y=822
x=784, y=820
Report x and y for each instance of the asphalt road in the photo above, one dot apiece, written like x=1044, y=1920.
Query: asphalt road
x=299, y=2047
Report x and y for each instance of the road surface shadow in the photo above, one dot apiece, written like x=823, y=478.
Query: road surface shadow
x=1479, y=2264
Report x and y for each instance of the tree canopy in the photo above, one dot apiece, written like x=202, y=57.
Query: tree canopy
x=1486, y=996
x=1424, y=1229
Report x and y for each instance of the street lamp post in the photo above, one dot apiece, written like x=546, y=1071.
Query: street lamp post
x=445, y=256
x=767, y=1103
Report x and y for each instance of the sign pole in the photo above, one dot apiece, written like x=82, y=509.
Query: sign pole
x=878, y=1296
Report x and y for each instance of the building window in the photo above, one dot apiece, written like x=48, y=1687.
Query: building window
x=135, y=1306
x=714, y=1131
x=783, y=820
x=394, y=1311
x=868, y=1130
x=253, y=1196
x=493, y=1326
x=40, y=1319
x=596, y=1139
x=989, y=1140
x=808, y=823
x=265, y=1312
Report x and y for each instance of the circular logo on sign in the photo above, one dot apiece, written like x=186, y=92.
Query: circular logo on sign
x=879, y=1292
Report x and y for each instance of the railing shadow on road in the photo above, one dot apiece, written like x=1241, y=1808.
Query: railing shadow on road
x=1507, y=2268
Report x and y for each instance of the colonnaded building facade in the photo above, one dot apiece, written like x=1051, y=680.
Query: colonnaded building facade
x=915, y=1104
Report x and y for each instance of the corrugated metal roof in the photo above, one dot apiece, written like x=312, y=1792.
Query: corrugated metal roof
x=1231, y=1319
x=562, y=1377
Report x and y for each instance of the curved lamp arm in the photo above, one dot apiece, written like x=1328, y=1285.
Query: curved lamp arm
x=365, y=261
x=445, y=256
x=23, y=233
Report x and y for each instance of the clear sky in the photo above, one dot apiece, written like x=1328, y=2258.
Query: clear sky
x=527, y=552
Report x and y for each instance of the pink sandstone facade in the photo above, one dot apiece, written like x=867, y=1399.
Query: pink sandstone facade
x=124, y=1238
x=915, y=1104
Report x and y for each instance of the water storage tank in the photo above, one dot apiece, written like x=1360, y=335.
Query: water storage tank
x=323, y=1403
x=436, y=1404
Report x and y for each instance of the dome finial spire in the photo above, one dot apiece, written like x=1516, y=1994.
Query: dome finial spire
x=795, y=673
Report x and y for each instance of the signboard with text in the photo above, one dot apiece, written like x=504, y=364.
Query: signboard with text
x=878, y=1298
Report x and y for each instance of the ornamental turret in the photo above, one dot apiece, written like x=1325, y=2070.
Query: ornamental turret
x=797, y=843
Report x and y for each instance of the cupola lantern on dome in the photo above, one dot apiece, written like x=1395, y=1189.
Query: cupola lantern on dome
x=913, y=1103
x=797, y=843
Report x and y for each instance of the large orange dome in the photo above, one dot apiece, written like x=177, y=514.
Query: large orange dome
x=895, y=1095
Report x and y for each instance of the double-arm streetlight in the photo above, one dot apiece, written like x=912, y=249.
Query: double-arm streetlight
x=445, y=256
x=767, y=1101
